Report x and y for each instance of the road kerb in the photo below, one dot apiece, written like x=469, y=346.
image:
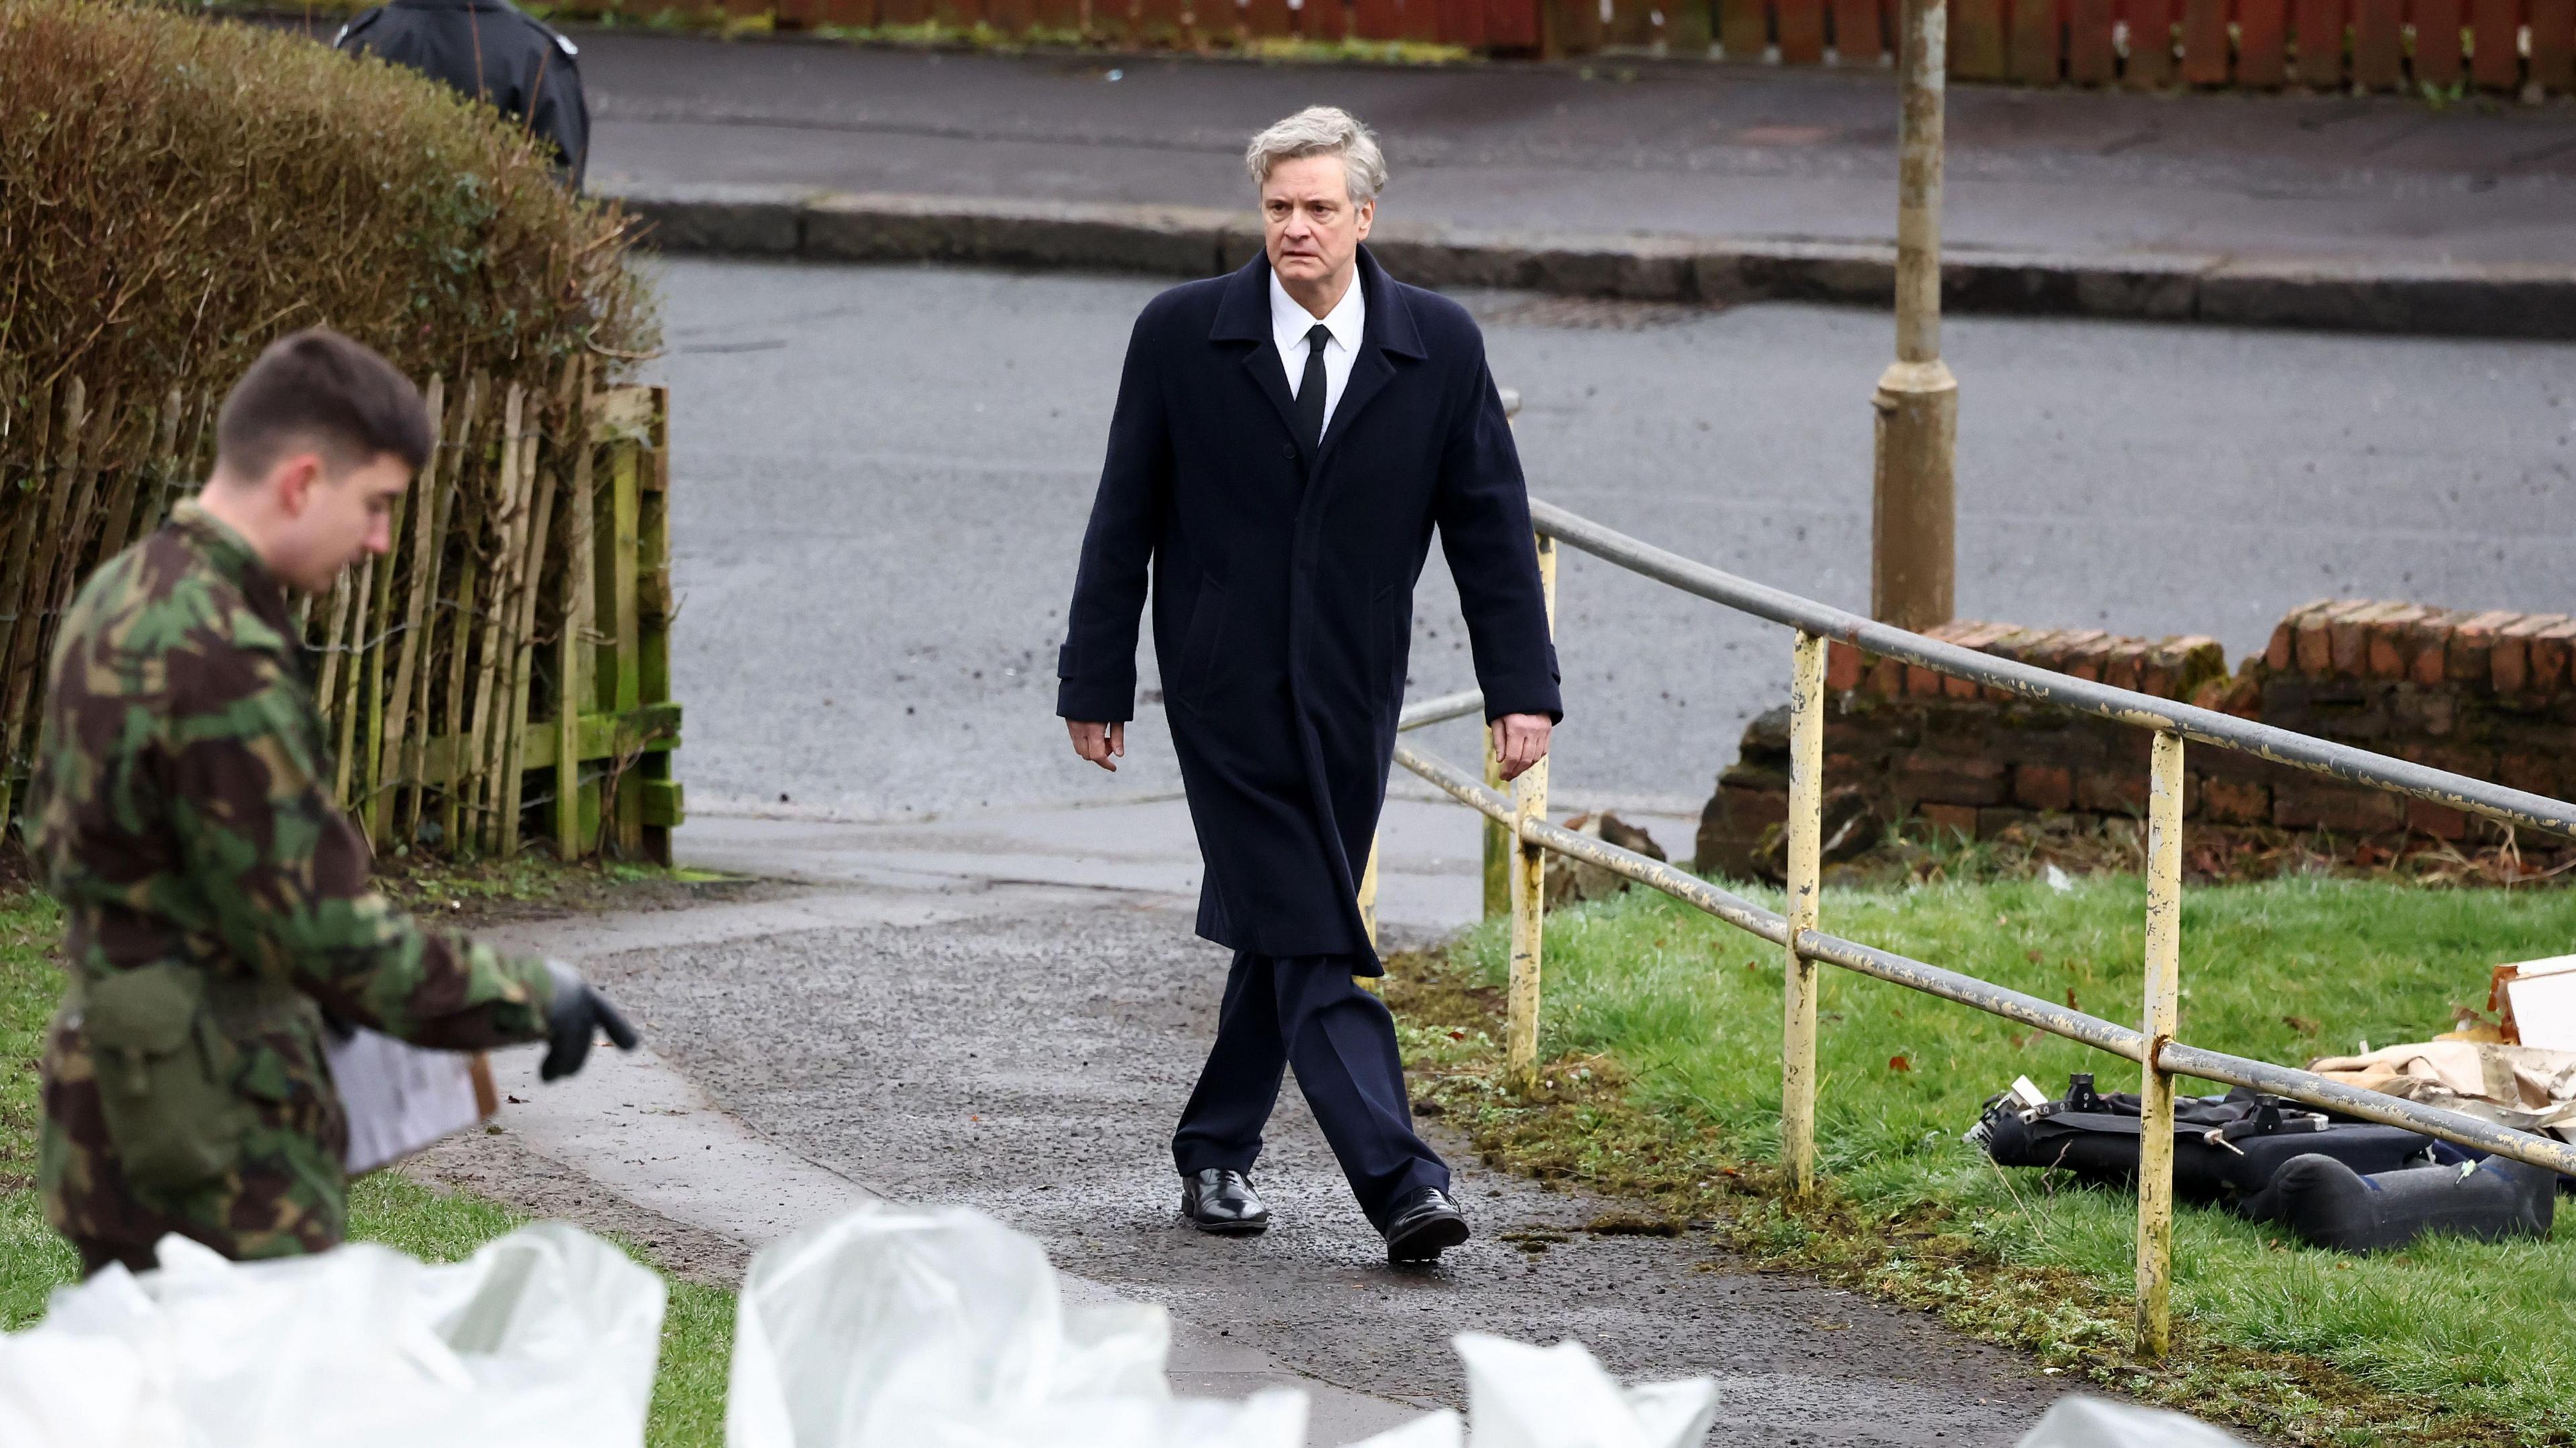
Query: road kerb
x=2536, y=301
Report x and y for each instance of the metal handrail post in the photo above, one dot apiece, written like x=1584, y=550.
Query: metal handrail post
x=1529, y=882
x=1368, y=909
x=1498, y=840
x=1805, y=872
x=2162, y=1012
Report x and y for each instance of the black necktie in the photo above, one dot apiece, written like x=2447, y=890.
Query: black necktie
x=1310, y=394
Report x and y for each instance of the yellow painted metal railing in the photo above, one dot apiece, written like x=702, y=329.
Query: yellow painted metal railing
x=1524, y=835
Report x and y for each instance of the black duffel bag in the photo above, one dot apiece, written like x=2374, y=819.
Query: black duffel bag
x=2226, y=1148
x=2328, y=1204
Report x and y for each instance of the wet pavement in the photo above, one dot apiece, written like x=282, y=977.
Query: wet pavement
x=1024, y=1048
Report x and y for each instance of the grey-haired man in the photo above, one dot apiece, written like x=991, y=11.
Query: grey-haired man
x=1286, y=440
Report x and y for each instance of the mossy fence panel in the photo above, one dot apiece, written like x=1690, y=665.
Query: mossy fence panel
x=502, y=674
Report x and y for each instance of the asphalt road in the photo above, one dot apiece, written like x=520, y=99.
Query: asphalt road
x=1613, y=145
x=882, y=476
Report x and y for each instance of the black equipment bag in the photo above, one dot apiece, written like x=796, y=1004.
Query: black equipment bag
x=2328, y=1204
x=2226, y=1148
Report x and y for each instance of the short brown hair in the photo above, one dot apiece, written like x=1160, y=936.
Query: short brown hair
x=321, y=390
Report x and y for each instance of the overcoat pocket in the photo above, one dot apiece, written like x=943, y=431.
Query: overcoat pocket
x=1194, y=671
x=1391, y=613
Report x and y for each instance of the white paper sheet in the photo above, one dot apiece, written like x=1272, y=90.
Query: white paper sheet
x=402, y=1097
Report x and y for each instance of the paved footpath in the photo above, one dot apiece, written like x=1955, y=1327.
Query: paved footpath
x=1740, y=152
x=1006, y=1011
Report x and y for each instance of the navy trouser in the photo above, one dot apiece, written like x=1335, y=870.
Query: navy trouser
x=1306, y=1012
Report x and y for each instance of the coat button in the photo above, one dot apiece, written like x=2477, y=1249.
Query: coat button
x=1288, y=450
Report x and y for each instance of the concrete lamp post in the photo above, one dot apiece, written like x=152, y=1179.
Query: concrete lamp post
x=1913, y=550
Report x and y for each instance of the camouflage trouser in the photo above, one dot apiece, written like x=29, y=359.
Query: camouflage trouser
x=286, y=1196
x=96, y=1255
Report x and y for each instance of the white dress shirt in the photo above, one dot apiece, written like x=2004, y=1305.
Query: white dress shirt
x=1289, y=323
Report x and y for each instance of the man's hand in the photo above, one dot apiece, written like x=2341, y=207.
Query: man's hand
x=1102, y=744
x=576, y=1014
x=1520, y=740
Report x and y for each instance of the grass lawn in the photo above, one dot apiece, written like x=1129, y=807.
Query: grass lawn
x=697, y=1332
x=1665, y=1029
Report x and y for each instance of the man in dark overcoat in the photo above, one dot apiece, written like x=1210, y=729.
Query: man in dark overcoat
x=1286, y=440
x=495, y=53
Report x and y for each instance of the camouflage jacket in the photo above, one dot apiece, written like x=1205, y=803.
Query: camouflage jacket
x=217, y=903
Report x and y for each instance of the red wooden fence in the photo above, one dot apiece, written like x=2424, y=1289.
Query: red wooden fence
x=2512, y=46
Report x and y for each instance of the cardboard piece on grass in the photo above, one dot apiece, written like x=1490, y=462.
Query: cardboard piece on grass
x=2076, y=1421
x=2540, y=1002
x=546, y=1338
x=2523, y=1087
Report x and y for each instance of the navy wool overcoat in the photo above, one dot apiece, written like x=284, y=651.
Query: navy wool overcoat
x=1283, y=586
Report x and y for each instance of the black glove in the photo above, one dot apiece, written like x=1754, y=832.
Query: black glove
x=576, y=1014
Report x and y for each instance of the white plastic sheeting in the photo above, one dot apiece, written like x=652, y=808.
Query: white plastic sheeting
x=887, y=1328
x=1520, y=1396
x=890, y=1328
x=546, y=1338
x=2081, y=1422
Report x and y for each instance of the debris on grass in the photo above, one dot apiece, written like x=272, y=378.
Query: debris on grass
x=1593, y=1134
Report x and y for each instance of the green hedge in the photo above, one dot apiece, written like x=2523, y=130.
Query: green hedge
x=176, y=192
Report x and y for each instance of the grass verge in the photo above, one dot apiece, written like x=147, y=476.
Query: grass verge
x=1663, y=1027
x=697, y=1331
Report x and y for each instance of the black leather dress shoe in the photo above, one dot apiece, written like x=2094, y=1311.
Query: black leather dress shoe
x=1424, y=1226
x=1223, y=1202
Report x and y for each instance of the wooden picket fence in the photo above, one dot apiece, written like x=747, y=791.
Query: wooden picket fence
x=2523, y=47
x=520, y=621
x=2510, y=46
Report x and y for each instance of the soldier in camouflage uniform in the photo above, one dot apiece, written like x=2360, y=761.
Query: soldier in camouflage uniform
x=217, y=901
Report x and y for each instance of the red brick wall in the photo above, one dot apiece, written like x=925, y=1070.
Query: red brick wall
x=2487, y=694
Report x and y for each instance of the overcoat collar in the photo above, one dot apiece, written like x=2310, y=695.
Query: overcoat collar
x=1243, y=315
